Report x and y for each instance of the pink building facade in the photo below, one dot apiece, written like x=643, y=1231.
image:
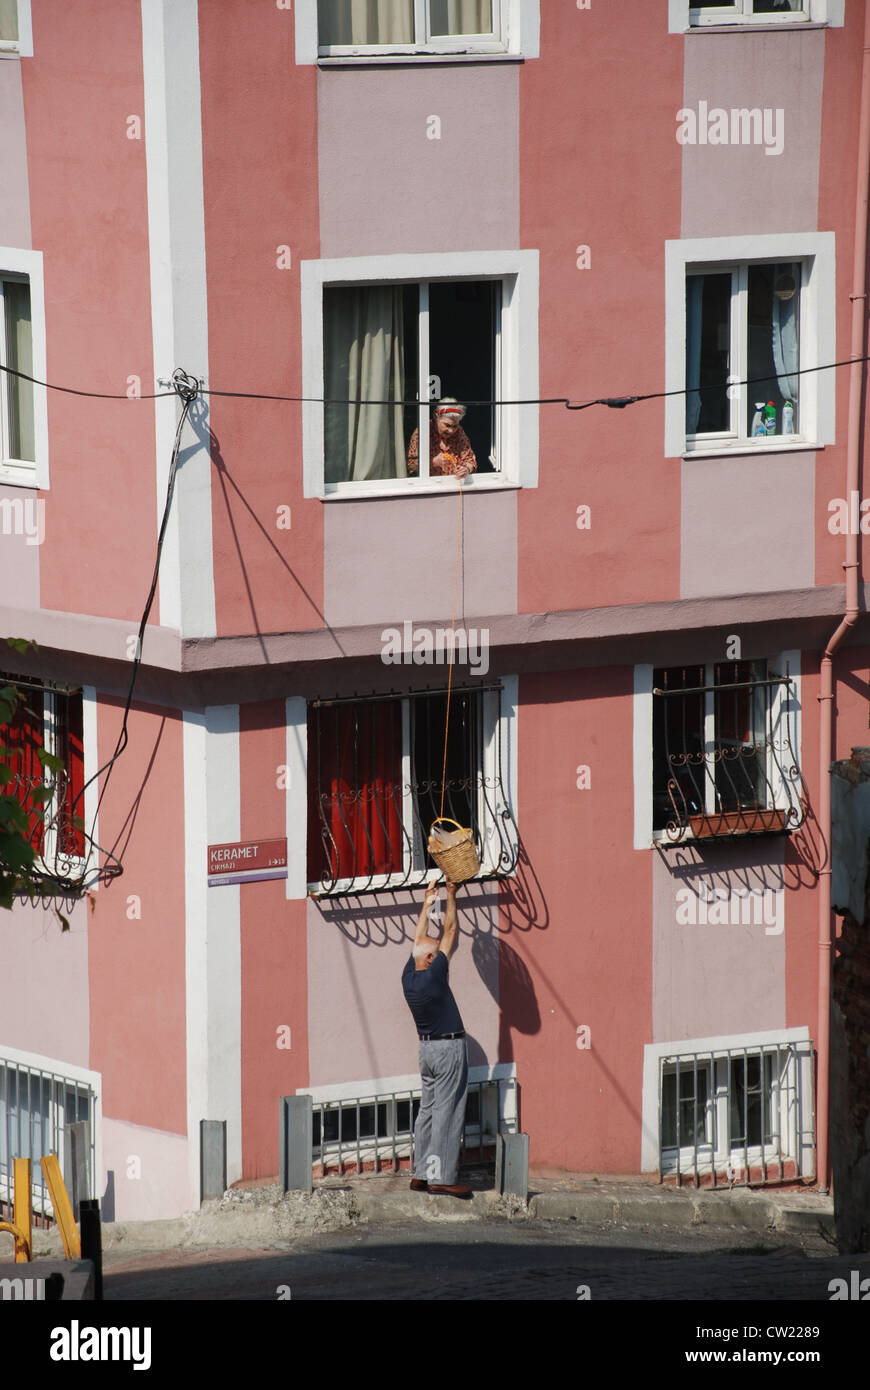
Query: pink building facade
x=514, y=204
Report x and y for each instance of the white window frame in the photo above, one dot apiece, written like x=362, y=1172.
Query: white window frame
x=794, y=1129
x=16, y=264
x=518, y=358
x=516, y=34
x=493, y=775
x=683, y=16
x=69, y=1074
x=23, y=45
x=816, y=417
x=645, y=837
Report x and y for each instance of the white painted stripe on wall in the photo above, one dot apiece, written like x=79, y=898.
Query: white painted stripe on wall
x=296, y=800
x=91, y=754
x=643, y=756
x=179, y=303
x=223, y=934
x=196, y=937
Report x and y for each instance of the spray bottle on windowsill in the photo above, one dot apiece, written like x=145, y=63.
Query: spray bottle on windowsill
x=758, y=421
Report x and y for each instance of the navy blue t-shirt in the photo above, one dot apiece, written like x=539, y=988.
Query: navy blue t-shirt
x=430, y=997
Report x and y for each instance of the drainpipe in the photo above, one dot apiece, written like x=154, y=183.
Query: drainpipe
x=850, y=565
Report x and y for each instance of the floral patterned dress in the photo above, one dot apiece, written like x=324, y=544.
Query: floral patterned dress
x=459, y=452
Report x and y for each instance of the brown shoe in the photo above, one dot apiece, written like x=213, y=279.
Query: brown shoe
x=454, y=1190
x=419, y=1185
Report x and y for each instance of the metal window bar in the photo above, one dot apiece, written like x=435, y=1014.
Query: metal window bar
x=35, y=1105
x=751, y=1119
x=727, y=762
x=477, y=796
x=339, y=1138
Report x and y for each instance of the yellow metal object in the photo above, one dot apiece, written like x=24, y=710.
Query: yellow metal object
x=23, y=1213
x=21, y=1228
x=63, y=1212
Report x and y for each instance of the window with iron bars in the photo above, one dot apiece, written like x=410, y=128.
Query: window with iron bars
x=375, y=783
x=35, y=1107
x=47, y=720
x=737, y=1114
x=371, y=1131
x=724, y=760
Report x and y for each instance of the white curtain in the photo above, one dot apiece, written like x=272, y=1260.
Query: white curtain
x=8, y=19
x=364, y=21
x=784, y=320
x=452, y=17
x=19, y=356
x=363, y=361
x=694, y=307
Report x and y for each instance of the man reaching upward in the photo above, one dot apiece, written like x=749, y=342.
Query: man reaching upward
x=443, y=1055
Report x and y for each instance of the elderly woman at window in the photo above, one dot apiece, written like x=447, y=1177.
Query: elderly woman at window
x=449, y=449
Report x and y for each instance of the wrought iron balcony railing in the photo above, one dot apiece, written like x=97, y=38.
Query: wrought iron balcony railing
x=724, y=759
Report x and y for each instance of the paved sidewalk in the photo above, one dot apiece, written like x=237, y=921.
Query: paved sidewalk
x=261, y=1215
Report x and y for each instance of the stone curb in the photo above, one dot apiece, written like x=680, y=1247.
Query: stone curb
x=265, y=1217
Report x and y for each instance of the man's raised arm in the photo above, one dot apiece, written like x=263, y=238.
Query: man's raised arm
x=448, y=939
x=422, y=932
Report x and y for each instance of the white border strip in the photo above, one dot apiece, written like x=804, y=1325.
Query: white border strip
x=179, y=301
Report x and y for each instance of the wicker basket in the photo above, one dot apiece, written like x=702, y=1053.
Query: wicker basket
x=458, y=861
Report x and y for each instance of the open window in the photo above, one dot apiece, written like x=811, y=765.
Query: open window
x=389, y=348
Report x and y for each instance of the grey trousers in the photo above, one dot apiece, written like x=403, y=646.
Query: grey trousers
x=438, y=1131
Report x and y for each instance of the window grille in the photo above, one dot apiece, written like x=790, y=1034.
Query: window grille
x=737, y=1115
x=375, y=1133
x=375, y=770
x=35, y=1106
x=724, y=759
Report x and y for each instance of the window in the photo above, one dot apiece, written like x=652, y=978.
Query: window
x=746, y=334
x=714, y=12
x=23, y=410
x=737, y=1109
x=743, y=324
x=15, y=28
x=374, y=788
x=724, y=760
x=385, y=336
x=353, y=27
x=685, y=14
x=405, y=344
x=17, y=434
x=50, y=721
x=38, y=1098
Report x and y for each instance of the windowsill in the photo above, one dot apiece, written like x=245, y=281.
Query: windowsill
x=425, y=487
x=745, y=447
x=732, y=26
x=18, y=475
x=416, y=59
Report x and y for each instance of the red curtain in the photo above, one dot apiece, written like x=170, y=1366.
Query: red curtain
x=23, y=736
x=355, y=790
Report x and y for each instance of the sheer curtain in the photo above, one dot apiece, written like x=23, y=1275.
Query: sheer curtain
x=364, y=361
x=694, y=302
x=364, y=21
x=19, y=356
x=8, y=19
x=784, y=321
x=460, y=17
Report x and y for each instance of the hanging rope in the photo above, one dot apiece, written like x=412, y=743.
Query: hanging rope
x=452, y=647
